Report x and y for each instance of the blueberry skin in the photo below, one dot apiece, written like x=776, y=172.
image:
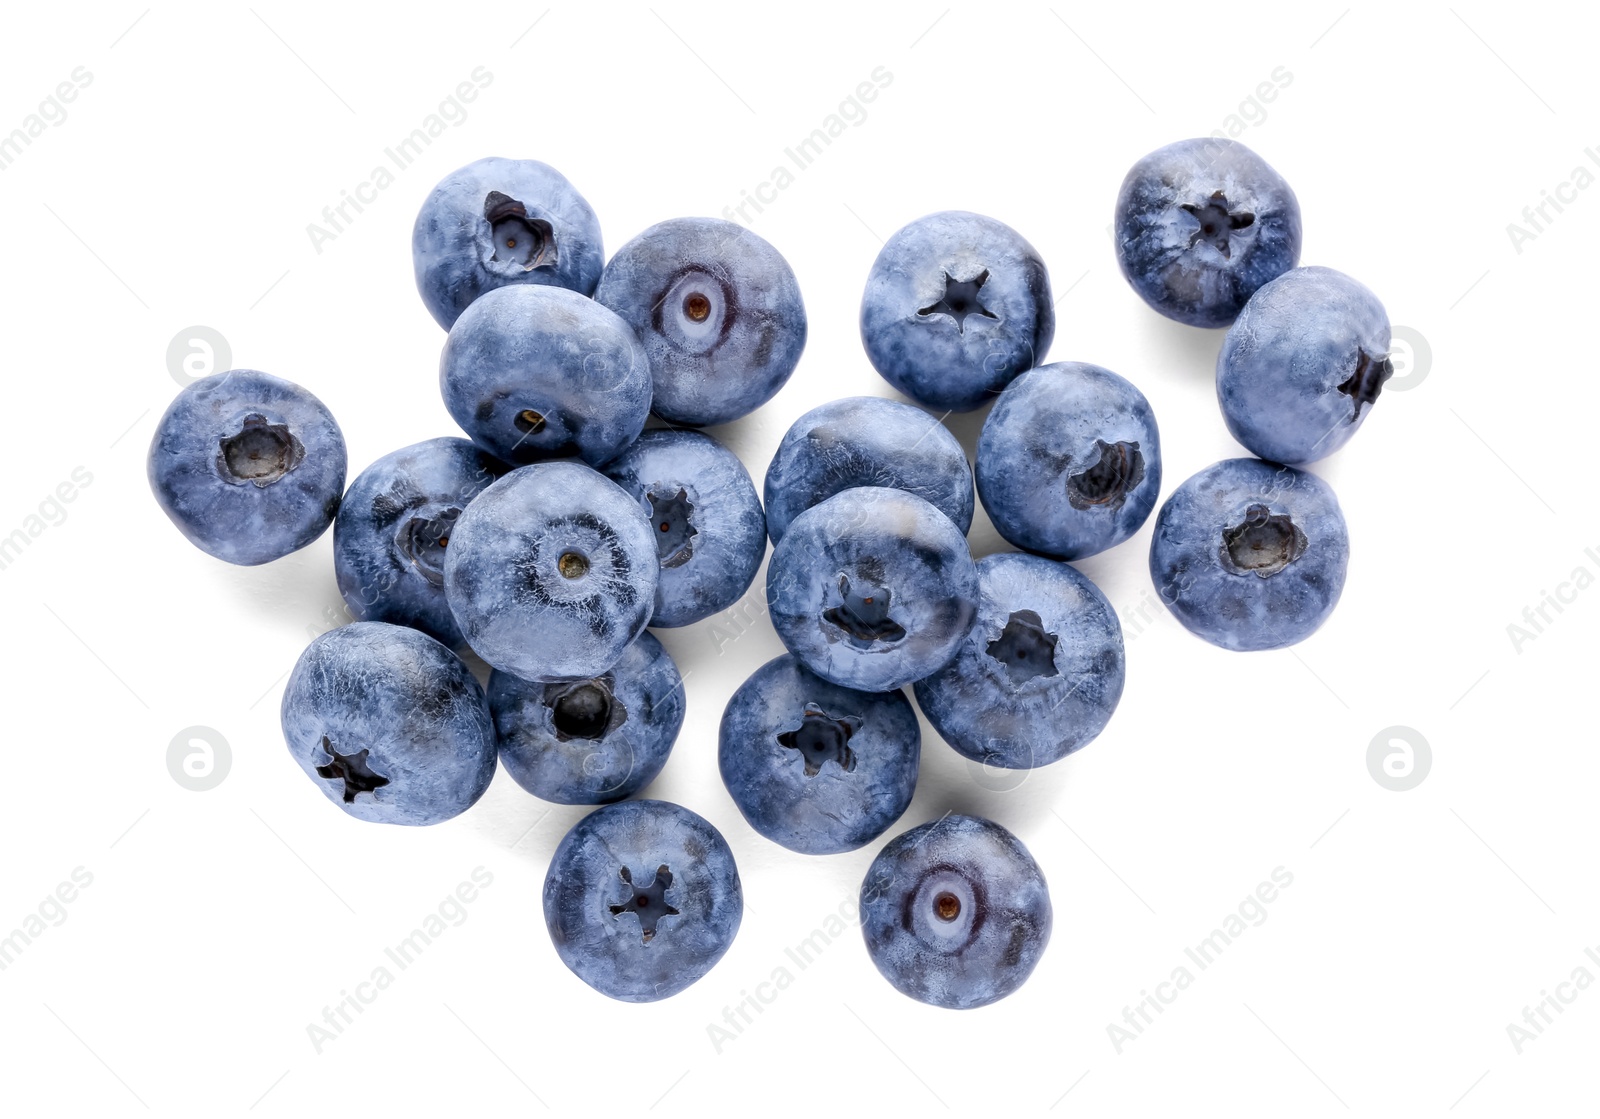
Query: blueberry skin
x=390, y=724
x=250, y=467
x=711, y=539
x=1201, y=225
x=956, y=913
x=930, y=335
x=815, y=767
x=1250, y=555
x=872, y=589
x=394, y=525
x=551, y=572
x=718, y=311
x=536, y=373
x=590, y=741
x=1039, y=675
x=1069, y=460
x=460, y=245
x=611, y=858
x=867, y=441
x=1302, y=367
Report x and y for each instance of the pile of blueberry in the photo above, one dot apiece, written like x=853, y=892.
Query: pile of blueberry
x=550, y=540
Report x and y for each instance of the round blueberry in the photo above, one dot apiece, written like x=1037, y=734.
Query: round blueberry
x=956, y=306
x=389, y=724
x=956, y=913
x=642, y=899
x=705, y=516
x=248, y=466
x=535, y=373
x=393, y=527
x=1250, y=555
x=1039, y=675
x=718, y=311
x=1069, y=460
x=816, y=767
x=1200, y=225
x=497, y=222
x=872, y=589
x=1302, y=367
x=867, y=441
x=590, y=741
x=551, y=572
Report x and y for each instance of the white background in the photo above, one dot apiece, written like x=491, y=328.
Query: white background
x=219, y=924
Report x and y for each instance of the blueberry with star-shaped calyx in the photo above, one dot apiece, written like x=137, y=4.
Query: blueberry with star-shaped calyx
x=822, y=738
x=960, y=300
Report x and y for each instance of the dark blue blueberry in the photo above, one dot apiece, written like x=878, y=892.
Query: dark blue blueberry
x=705, y=516
x=1250, y=555
x=389, y=724
x=551, y=572
x=867, y=441
x=248, y=466
x=1200, y=225
x=956, y=306
x=642, y=899
x=816, y=767
x=718, y=311
x=956, y=913
x=1069, y=460
x=1039, y=675
x=497, y=222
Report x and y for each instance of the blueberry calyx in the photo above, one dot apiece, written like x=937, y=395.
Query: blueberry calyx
x=573, y=565
x=947, y=907
x=865, y=617
x=696, y=306
x=1363, y=386
x=960, y=300
x=259, y=452
x=353, y=769
x=517, y=238
x=821, y=737
x=648, y=902
x=1263, y=544
x=422, y=540
x=675, y=533
x=1117, y=469
x=528, y=421
x=1216, y=222
x=588, y=709
x=1025, y=648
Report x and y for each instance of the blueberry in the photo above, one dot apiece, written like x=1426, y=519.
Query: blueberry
x=590, y=741
x=956, y=913
x=1069, y=460
x=1200, y=225
x=705, y=516
x=551, y=572
x=535, y=373
x=872, y=589
x=1039, y=675
x=498, y=222
x=816, y=767
x=718, y=311
x=956, y=306
x=393, y=527
x=1302, y=367
x=642, y=899
x=867, y=441
x=1250, y=555
x=248, y=466
x=390, y=724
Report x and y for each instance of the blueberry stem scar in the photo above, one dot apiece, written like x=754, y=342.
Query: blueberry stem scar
x=258, y=452
x=1264, y=543
x=649, y=901
x=1364, y=385
x=960, y=300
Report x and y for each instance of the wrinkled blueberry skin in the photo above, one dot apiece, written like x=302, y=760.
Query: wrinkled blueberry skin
x=718, y=311
x=872, y=589
x=458, y=257
x=608, y=950
x=387, y=550
x=1069, y=460
x=566, y=360
x=710, y=541
x=1238, y=607
x=998, y=931
x=817, y=779
x=390, y=724
x=1040, y=673
x=592, y=741
x=209, y=460
x=1166, y=252
x=867, y=441
x=956, y=361
x=504, y=580
x=1300, y=370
